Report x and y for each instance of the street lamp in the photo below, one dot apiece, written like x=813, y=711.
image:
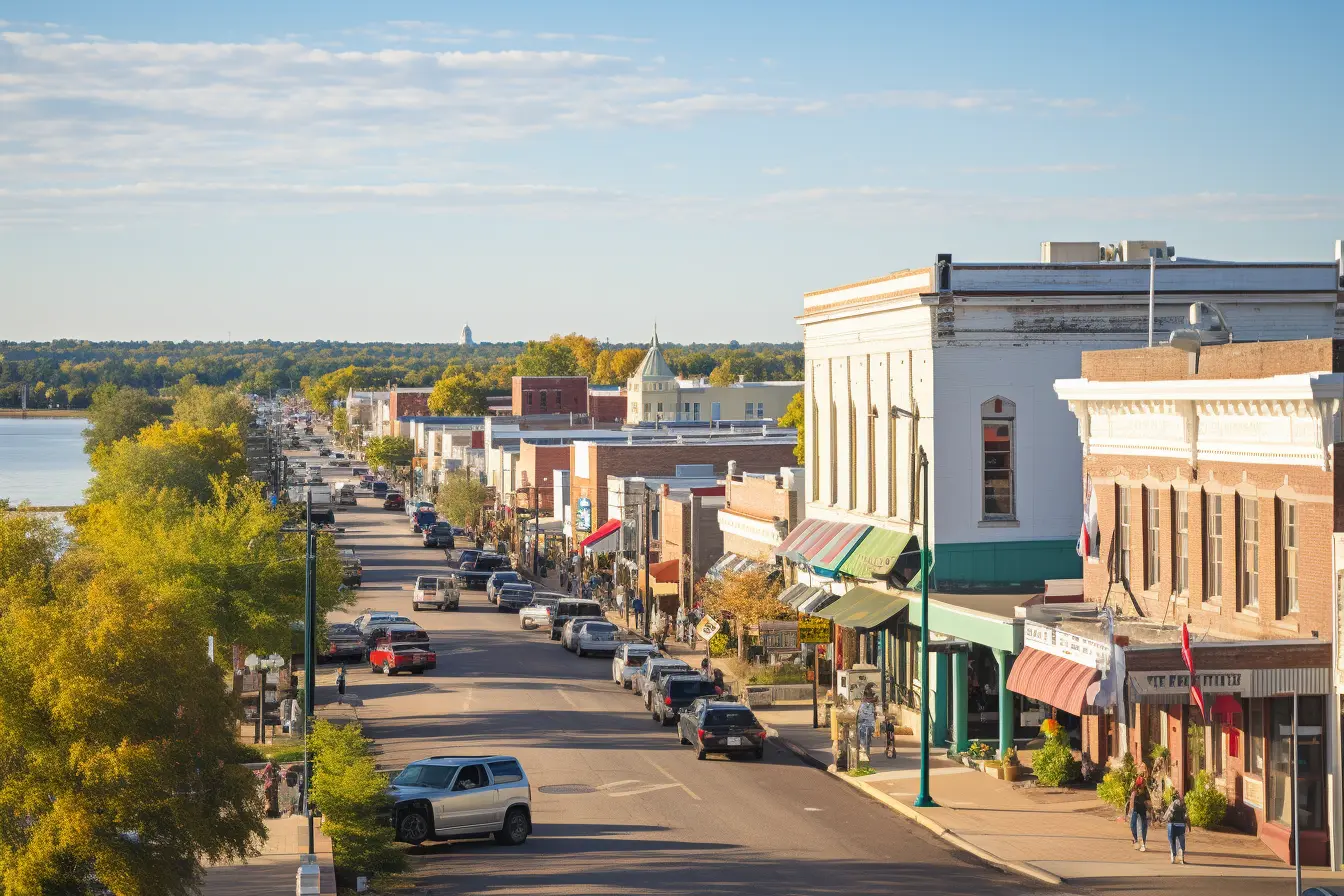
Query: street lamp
x=260, y=666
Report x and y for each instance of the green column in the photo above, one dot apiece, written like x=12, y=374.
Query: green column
x=961, y=696
x=1002, y=657
x=939, y=673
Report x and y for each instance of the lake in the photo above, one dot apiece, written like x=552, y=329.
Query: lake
x=42, y=460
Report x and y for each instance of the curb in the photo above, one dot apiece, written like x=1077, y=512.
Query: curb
x=1023, y=868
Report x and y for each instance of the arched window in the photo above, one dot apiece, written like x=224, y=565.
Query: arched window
x=998, y=459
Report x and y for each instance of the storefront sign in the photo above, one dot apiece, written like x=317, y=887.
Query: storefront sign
x=1176, y=684
x=708, y=628
x=813, y=630
x=1084, y=651
x=1252, y=792
x=584, y=523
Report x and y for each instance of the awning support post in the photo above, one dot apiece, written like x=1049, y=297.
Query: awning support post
x=1005, y=704
x=961, y=696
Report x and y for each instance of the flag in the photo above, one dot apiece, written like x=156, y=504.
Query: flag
x=1090, y=534
x=1190, y=665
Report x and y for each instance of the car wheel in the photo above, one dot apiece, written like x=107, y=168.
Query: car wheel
x=655, y=716
x=387, y=668
x=514, y=832
x=681, y=737
x=413, y=827
x=415, y=607
x=372, y=667
x=700, y=753
x=760, y=752
x=417, y=671
x=666, y=721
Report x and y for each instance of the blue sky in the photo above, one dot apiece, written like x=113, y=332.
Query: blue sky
x=347, y=170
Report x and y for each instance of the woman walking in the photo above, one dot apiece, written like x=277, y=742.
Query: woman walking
x=1176, y=820
x=1138, y=810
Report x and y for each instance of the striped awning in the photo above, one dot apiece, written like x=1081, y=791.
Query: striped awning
x=795, y=595
x=821, y=544
x=730, y=562
x=876, y=555
x=1054, y=680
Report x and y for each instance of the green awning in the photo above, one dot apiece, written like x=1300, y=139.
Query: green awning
x=863, y=607
x=875, y=556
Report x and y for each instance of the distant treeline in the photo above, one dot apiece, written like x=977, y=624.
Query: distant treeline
x=65, y=372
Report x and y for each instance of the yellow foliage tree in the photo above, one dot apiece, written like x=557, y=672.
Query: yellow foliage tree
x=746, y=598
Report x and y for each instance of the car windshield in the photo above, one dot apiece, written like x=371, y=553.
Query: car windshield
x=436, y=776
x=689, y=688
x=730, y=718
x=426, y=582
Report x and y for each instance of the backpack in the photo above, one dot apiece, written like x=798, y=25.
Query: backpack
x=1177, y=813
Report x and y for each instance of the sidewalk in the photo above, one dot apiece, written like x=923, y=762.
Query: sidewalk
x=273, y=872
x=1049, y=835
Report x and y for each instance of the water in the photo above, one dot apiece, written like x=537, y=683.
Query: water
x=42, y=460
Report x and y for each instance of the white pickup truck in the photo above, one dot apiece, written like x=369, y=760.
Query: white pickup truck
x=435, y=593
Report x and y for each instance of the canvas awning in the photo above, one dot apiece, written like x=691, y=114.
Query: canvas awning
x=863, y=607
x=821, y=544
x=606, y=538
x=665, y=571
x=1054, y=680
x=876, y=555
x=795, y=595
x=730, y=562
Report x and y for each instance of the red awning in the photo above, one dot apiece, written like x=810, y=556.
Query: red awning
x=1053, y=680
x=665, y=571
x=606, y=538
x=1225, y=706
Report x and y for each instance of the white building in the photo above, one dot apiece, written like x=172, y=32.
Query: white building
x=466, y=336
x=655, y=394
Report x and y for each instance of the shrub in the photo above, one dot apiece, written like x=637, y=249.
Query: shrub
x=978, y=750
x=1053, y=764
x=789, y=674
x=352, y=794
x=1204, y=803
x=718, y=645
x=1118, y=782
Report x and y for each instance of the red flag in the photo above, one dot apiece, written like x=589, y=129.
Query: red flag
x=1190, y=665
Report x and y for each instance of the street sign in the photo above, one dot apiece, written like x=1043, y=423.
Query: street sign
x=707, y=628
x=813, y=629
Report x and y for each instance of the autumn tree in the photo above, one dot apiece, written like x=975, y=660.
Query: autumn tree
x=624, y=363
x=205, y=407
x=795, y=416
x=747, y=598
x=583, y=348
x=547, y=359
x=461, y=497
x=119, y=413
x=177, y=457
x=460, y=392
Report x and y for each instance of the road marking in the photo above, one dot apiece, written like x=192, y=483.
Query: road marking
x=648, y=789
x=568, y=699
x=810, y=809
x=669, y=777
x=615, y=784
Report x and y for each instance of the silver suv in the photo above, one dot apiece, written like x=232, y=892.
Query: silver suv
x=447, y=797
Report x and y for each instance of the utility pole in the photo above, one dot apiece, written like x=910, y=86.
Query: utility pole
x=309, y=655
x=648, y=549
x=924, y=800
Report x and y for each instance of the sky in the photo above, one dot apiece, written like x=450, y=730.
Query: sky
x=393, y=170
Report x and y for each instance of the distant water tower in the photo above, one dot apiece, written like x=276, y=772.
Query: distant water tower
x=466, y=336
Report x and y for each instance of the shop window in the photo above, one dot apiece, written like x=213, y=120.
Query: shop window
x=1152, y=563
x=1122, y=533
x=747, y=414
x=760, y=410
x=1248, y=552
x=695, y=415
x=1255, y=754
x=1180, y=549
x=1287, y=558
x=997, y=422
x=1213, y=547
x=1310, y=762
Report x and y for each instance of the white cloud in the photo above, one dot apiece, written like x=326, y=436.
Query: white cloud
x=979, y=100
x=1057, y=168
x=776, y=171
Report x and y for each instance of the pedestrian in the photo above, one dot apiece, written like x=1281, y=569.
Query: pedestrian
x=720, y=686
x=1138, y=810
x=1176, y=823
x=340, y=684
x=704, y=669
x=867, y=719
x=638, y=607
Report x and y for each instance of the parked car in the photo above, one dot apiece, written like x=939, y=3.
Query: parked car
x=627, y=660
x=595, y=636
x=676, y=692
x=344, y=642
x=435, y=593
x=499, y=579
x=538, y=613
x=352, y=570
x=570, y=608
x=394, y=501
x=474, y=574
x=324, y=452
x=345, y=494
x=403, y=628
x=640, y=680
x=438, y=535
x=445, y=797
x=656, y=674
x=379, y=488
x=513, y=596
x=367, y=616
x=393, y=656
x=720, y=726
x=422, y=516
x=467, y=555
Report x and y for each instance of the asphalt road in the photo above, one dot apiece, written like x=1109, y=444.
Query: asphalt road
x=619, y=806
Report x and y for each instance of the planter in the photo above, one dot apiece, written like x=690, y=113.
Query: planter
x=1012, y=772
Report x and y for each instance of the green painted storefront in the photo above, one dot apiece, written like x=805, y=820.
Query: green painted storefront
x=1006, y=564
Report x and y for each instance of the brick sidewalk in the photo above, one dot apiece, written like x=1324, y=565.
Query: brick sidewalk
x=1050, y=835
x=272, y=872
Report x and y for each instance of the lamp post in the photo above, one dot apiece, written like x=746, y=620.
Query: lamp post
x=924, y=800
x=309, y=655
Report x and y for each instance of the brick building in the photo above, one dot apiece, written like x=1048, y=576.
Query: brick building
x=1215, y=506
x=759, y=510
x=690, y=534
x=606, y=404
x=550, y=395
x=536, y=473
x=404, y=402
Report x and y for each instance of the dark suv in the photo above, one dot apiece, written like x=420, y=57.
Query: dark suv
x=676, y=692
x=721, y=726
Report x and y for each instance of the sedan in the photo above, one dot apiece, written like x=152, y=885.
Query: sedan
x=513, y=597
x=639, y=682
x=394, y=501
x=717, y=726
x=595, y=637
x=627, y=660
x=392, y=657
x=498, y=580
x=569, y=634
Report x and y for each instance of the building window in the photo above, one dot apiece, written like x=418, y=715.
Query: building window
x=660, y=410
x=1287, y=558
x=748, y=414
x=1152, y=532
x=1213, y=547
x=1180, y=548
x=1122, y=528
x=1248, y=551
x=648, y=408
x=997, y=460
x=695, y=411
x=557, y=398
x=542, y=396
x=528, y=393
x=872, y=461
x=760, y=410
x=835, y=455
x=853, y=455
x=1255, y=756
x=1309, y=765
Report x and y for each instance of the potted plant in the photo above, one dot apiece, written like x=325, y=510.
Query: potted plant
x=1011, y=767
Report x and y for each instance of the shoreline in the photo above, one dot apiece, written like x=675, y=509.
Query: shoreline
x=20, y=414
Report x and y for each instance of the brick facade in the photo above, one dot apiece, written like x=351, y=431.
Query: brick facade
x=607, y=407
x=677, y=540
x=408, y=402
x=536, y=469
x=549, y=395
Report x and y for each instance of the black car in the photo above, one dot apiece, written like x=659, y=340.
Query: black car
x=719, y=726
x=379, y=627
x=324, y=452
x=676, y=692
x=569, y=608
x=475, y=574
x=439, y=535
x=344, y=642
x=379, y=488
x=394, y=501
x=513, y=596
x=656, y=676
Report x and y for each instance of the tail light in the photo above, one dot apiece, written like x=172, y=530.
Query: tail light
x=667, y=701
x=761, y=734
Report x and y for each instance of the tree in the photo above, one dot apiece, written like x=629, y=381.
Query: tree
x=389, y=452
x=178, y=457
x=118, y=414
x=352, y=794
x=795, y=415
x=340, y=421
x=747, y=597
x=461, y=497
x=625, y=362
x=547, y=359
x=460, y=392
x=584, y=349
x=205, y=407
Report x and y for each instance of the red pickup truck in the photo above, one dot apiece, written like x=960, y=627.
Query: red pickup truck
x=390, y=658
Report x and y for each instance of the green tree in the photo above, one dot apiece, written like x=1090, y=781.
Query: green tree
x=352, y=793
x=205, y=407
x=794, y=415
x=119, y=413
x=389, y=452
x=547, y=359
x=460, y=392
x=177, y=457
x=460, y=499
x=340, y=421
